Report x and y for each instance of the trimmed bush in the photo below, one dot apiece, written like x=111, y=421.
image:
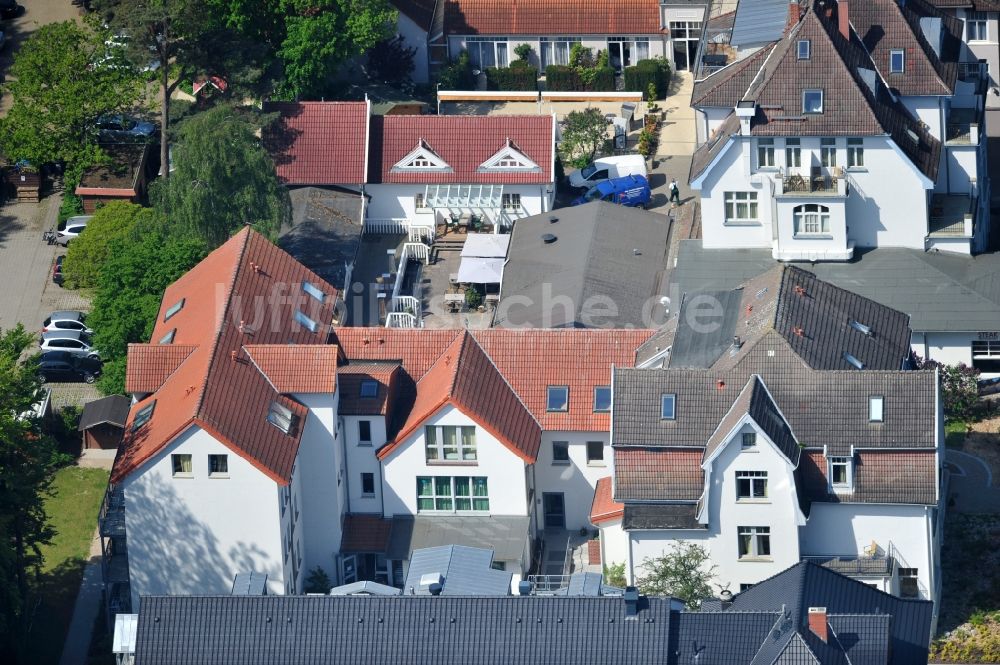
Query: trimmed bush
x=521, y=75
x=640, y=76
x=561, y=78
x=457, y=75
x=602, y=79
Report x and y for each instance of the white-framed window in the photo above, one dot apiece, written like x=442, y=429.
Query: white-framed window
x=602, y=399
x=976, y=27
x=668, y=406
x=751, y=485
x=450, y=443
x=555, y=50
x=909, y=586
x=804, y=49
x=755, y=542
x=765, y=153
x=452, y=494
x=218, y=466
x=748, y=441
x=367, y=484
x=180, y=464
x=364, y=432
x=841, y=473
x=487, y=51
x=811, y=219
x=812, y=100
x=627, y=51
x=828, y=152
x=595, y=453
x=560, y=452
x=897, y=61
x=876, y=409
x=986, y=355
x=176, y=307
x=557, y=398
x=855, y=153
x=281, y=417
x=741, y=207
x=510, y=201
x=793, y=153
x=143, y=415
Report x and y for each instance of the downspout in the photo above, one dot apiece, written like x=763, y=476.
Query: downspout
x=347, y=468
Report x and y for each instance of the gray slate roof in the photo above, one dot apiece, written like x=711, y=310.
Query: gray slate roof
x=325, y=232
x=940, y=292
x=505, y=534
x=660, y=516
x=602, y=250
x=465, y=571
x=759, y=21
x=754, y=400
x=112, y=410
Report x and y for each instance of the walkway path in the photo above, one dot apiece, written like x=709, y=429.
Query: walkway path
x=972, y=486
x=677, y=133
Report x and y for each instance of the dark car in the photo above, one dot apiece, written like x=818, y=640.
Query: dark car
x=65, y=366
x=57, y=273
x=10, y=9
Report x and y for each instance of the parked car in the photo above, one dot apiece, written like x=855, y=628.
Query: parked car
x=10, y=9
x=124, y=128
x=606, y=168
x=71, y=228
x=632, y=191
x=66, y=320
x=74, y=341
x=65, y=366
x=57, y=273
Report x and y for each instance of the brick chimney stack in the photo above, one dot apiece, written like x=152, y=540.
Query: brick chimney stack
x=843, y=19
x=817, y=622
x=794, y=14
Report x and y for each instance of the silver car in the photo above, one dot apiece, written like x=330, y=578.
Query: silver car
x=66, y=320
x=72, y=227
x=74, y=341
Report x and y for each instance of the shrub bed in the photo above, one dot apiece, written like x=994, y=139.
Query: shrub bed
x=645, y=72
x=521, y=75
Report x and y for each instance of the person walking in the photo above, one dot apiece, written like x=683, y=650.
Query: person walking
x=675, y=192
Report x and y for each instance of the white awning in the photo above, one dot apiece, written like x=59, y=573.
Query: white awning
x=477, y=270
x=486, y=245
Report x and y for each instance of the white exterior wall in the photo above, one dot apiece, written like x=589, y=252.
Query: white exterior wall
x=732, y=174
x=960, y=169
x=615, y=545
x=951, y=348
x=416, y=38
x=291, y=523
x=657, y=45
x=708, y=120
x=361, y=459
x=847, y=529
x=576, y=479
x=504, y=470
x=320, y=470
x=193, y=535
x=394, y=201
x=928, y=110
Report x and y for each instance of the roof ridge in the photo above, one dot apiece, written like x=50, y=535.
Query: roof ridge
x=503, y=377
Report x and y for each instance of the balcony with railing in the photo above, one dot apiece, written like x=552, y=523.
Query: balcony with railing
x=964, y=125
x=818, y=182
x=975, y=74
x=952, y=216
x=873, y=562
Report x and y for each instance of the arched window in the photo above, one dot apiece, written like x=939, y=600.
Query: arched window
x=811, y=219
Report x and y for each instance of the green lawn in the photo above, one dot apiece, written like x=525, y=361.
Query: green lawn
x=72, y=511
x=954, y=433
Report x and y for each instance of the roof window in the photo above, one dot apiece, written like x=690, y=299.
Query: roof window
x=897, y=61
x=281, y=417
x=305, y=321
x=812, y=101
x=169, y=337
x=143, y=415
x=861, y=328
x=854, y=362
x=314, y=291
x=173, y=310
x=876, y=409
x=557, y=398
x=804, y=49
x=668, y=407
x=602, y=399
x=369, y=388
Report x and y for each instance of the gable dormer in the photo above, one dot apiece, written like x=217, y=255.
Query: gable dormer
x=422, y=158
x=510, y=159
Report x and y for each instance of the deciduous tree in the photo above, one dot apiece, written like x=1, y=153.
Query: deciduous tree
x=111, y=226
x=681, y=572
x=584, y=132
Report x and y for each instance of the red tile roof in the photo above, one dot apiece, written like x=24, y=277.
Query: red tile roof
x=465, y=377
x=296, y=369
x=643, y=474
x=464, y=142
x=365, y=533
x=551, y=17
x=529, y=360
x=351, y=403
x=605, y=508
x=218, y=388
x=149, y=365
x=319, y=143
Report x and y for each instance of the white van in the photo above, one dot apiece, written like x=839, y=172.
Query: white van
x=606, y=168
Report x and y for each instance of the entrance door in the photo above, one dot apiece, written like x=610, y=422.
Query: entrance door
x=619, y=54
x=680, y=55
x=554, y=507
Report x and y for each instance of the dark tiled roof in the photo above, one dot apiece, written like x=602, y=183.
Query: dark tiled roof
x=323, y=630
x=112, y=410
x=466, y=571
x=709, y=150
x=880, y=476
x=365, y=533
x=865, y=637
x=551, y=17
x=646, y=474
x=303, y=139
x=720, y=638
x=420, y=12
x=977, y=5
x=726, y=87
x=806, y=585
x=661, y=516
x=755, y=400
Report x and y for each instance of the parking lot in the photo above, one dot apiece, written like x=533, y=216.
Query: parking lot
x=27, y=294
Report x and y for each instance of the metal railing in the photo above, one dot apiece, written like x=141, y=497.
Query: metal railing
x=973, y=71
x=542, y=585
x=818, y=182
x=385, y=225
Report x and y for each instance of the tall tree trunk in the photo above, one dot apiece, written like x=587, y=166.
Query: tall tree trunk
x=165, y=107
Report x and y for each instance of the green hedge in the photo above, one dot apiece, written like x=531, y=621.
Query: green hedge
x=521, y=76
x=656, y=71
x=561, y=78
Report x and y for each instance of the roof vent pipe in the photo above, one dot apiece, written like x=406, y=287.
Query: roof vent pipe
x=435, y=589
x=553, y=219
x=726, y=599
x=843, y=19
x=548, y=238
x=524, y=588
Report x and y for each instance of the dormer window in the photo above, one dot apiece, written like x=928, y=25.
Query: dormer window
x=369, y=389
x=557, y=398
x=841, y=473
x=509, y=158
x=897, y=61
x=143, y=415
x=668, y=407
x=421, y=158
x=812, y=101
x=876, y=409
x=804, y=49
x=173, y=310
x=281, y=417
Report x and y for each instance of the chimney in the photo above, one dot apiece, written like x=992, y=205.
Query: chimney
x=817, y=622
x=794, y=14
x=725, y=599
x=631, y=597
x=843, y=19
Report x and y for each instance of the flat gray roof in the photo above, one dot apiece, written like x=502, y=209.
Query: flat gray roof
x=506, y=535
